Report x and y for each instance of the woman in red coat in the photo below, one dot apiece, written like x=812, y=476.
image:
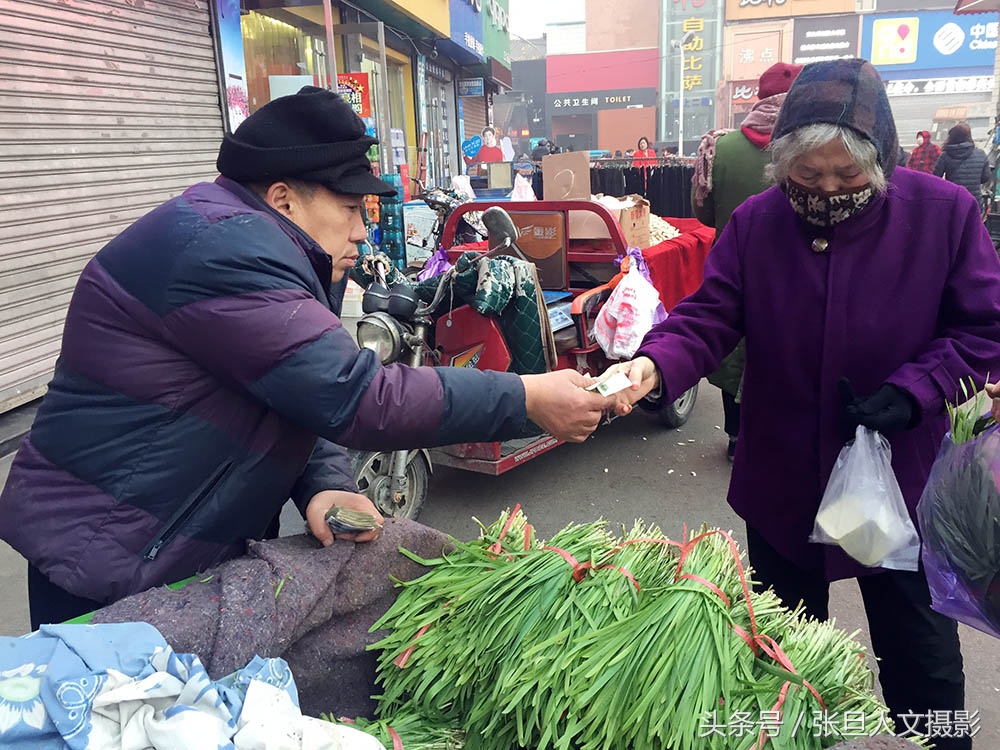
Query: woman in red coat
x=644, y=156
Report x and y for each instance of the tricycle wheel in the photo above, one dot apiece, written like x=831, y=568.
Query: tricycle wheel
x=371, y=472
x=677, y=413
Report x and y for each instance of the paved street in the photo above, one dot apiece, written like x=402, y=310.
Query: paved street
x=621, y=474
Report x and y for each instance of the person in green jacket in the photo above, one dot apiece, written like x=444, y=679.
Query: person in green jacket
x=729, y=169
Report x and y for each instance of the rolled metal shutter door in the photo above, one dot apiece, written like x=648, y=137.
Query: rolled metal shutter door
x=107, y=109
x=474, y=114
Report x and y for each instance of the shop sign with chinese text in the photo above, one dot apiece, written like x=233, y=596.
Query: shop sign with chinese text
x=353, y=87
x=471, y=87
x=496, y=30
x=582, y=102
x=753, y=48
x=439, y=71
x=743, y=92
x=825, y=38
x=938, y=86
x=746, y=10
x=467, y=26
x=701, y=63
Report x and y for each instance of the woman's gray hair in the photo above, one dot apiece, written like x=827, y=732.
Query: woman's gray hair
x=790, y=148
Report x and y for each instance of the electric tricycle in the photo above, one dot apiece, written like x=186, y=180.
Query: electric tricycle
x=559, y=289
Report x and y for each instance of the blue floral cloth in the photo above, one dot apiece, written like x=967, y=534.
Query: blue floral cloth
x=119, y=685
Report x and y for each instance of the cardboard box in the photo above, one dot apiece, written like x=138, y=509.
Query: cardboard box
x=632, y=214
x=566, y=177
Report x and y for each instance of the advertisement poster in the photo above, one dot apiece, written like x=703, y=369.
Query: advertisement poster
x=232, y=71
x=354, y=88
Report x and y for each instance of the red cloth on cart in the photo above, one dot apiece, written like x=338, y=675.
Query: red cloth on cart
x=676, y=266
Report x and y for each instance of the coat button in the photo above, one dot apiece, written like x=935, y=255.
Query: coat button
x=819, y=245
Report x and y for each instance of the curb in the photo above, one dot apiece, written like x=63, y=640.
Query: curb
x=10, y=444
x=14, y=425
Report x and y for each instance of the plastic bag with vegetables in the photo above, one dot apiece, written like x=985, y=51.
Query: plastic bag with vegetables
x=959, y=516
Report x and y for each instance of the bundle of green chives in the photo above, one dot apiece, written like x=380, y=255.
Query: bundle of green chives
x=412, y=732
x=591, y=642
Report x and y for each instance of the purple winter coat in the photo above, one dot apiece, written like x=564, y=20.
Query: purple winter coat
x=906, y=293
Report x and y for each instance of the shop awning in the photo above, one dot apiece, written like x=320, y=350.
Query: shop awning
x=969, y=7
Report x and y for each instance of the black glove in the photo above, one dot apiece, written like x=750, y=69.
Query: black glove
x=889, y=409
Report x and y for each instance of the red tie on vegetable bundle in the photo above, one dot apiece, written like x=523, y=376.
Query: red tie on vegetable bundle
x=757, y=642
x=397, y=741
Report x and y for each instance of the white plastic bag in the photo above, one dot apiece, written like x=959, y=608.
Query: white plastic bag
x=522, y=189
x=631, y=310
x=863, y=511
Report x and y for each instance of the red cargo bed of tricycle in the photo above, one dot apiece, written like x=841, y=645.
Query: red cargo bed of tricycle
x=675, y=267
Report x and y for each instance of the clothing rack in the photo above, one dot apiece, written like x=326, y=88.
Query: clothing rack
x=661, y=161
x=667, y=186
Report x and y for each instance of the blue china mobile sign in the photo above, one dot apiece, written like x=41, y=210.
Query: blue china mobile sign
x=467, y=27
x=933, y=41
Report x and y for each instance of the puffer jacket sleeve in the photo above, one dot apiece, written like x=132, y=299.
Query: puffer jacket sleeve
x=329, y=468
x=942, y=165
x=242, y=303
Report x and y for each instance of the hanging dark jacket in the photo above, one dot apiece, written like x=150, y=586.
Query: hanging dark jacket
x=965, y=165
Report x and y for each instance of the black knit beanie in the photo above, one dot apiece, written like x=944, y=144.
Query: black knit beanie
x=842, y=92
x=313, y=135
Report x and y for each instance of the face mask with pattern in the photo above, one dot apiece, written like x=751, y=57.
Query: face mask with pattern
x=823, y=209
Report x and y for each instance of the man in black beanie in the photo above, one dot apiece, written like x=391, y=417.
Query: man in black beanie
x=205, y=376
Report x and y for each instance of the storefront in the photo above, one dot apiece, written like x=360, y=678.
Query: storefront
x=754, y=47
x=464, y=45
x=284, y=50
x=472, y=111
x=602, y=100
x=108, y=109
x=441, y=112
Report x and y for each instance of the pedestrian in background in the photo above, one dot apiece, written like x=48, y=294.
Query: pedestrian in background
x=643, y=156
x=540, y=151
x=729, y=169
x=925, y=155
x=962, y=163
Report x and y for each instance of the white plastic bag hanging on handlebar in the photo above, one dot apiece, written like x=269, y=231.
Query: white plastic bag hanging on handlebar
x=632, y=309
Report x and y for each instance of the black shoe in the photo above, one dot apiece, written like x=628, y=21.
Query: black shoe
x=731, y=450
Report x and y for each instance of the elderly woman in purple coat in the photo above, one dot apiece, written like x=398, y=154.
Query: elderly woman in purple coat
x=847, y=277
